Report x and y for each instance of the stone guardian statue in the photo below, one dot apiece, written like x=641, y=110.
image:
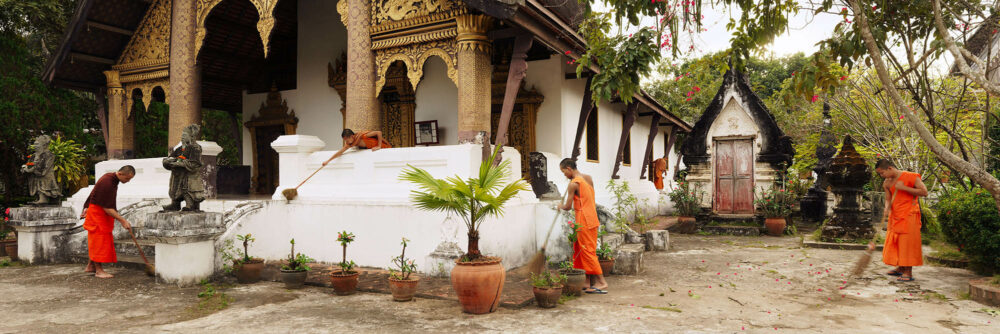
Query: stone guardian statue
x=41, y=177
x=185, y=166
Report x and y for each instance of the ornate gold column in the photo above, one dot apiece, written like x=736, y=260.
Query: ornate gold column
x=362, y=108
x=120, y=132
x=474, y=70
x=185, y=76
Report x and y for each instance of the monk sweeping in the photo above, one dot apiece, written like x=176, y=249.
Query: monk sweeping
x=902, y=240
x=585, y=248
x=365, y=140
x=659, y=167
x=100, y=213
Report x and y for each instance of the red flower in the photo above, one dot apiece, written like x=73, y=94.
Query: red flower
x=814, y=98
x=182, y=157
x=568, y=52
x=697, y=89
x=688, y=99
x=843, y=77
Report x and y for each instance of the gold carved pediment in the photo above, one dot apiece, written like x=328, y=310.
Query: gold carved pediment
x=414, y=56
x=385, y=11
x=150, y=44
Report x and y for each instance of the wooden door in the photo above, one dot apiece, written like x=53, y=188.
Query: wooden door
x=734, y=176
x=266, y=175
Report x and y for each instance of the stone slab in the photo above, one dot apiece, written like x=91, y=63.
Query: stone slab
x=614, y=240
x=747, y=231
x=948, y=262
x=185, y=264
x=628, y=259
x=181, y=227
x=657, y=240
x=983, y=292
x=35, y=213
x=836, y=245
x=37, y=227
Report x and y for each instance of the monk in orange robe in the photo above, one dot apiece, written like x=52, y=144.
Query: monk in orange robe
x=585, y=248
x=902, y=241
x=365, y=140
x=659, y=167
x=100, y=213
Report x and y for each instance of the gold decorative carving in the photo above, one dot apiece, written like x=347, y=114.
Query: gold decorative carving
x=204, y=8
x=112, y=79
x=145, y=76
x=151, y=41
x=265, y=23
x=385, y=11
x=414, y=56
x=144, y=65
x=472, y=33
x=414, y=39
x=342, y=10
x=146, y=88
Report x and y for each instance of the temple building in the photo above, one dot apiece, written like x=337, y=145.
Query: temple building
x=439, y=78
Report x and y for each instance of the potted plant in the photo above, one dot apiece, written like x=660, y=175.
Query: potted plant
x=775, y=203
x=294, y=273
x=606, y=258
x=345, y=281
x=477, y=279
x=247, y=268
x=402, y=282
x=576, y=279
x=547, y=288
x=687, y=205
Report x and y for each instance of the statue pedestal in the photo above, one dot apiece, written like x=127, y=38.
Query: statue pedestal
x=36, y=226
x=185, y=244
x=813, y=205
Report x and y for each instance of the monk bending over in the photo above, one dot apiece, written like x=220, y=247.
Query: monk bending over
x=100, y=213
x=659, y=167
x=366, y=139
x=585, y=247
x=902, y=241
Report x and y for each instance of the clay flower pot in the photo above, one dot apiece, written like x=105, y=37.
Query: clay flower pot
x=478, y=284
x=3, y=246
x=576, y=280
x=607, y=266
x=249, y=272
x=11, y=250
x=547, y=297
x=344, y=283
x=293, y=279
x=403, y=290
x=775, y=226
x=686, y=225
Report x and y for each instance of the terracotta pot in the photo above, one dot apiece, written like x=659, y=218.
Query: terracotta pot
x=686, y=225
x=344, y=284
x=3, y=246
x=607, y=266
x=576, y=280
x=293, y=279
x=11, y=250
x=547, y=297
x=478, y=285
x=403, y=290
x=775, y=226
x=249, y=272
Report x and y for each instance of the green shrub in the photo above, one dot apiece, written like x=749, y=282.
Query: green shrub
x=970, y=220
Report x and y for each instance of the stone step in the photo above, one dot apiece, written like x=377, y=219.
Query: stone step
x=628, y=259
x=127, y=247
x=657, y=240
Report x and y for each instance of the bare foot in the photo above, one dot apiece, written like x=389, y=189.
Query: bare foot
x=104, y=274
x=89, y=269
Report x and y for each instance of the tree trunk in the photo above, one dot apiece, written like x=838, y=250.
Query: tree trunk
x=473, y=253
x=975, y=173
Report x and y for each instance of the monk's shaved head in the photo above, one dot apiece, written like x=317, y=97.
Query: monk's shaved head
x=567, y=163
x=127, y=169
x=883, y=164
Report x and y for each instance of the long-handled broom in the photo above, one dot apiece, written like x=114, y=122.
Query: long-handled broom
x=537, y=262
x=291, y=193
x=150, y=269
x=866, y=258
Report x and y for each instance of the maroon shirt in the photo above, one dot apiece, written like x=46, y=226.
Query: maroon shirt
x=105, y=193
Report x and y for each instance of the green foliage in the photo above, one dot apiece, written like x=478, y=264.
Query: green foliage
x=346, y=238
x=686, y=199
x=247, y=239
x=225, y=129
x=472, y=199
x=68, y=165
x=297, y=262
x=547, y=279
x=775, y=201
x=574, y=231
x=604, y=252
x=623, y=60
x=970, y=220
x=406, y=266
x=566, y=266
x=230, y=254
x=151, y=135
x=625, y=203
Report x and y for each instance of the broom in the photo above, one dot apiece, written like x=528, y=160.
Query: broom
x=866, y=258
x=150, y=269
x=291, y=193
x=537, y=262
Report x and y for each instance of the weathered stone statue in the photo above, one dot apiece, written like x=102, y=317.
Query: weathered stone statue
x=814, y=203
x=848, y=174
x=41, y=178
x=184, y=164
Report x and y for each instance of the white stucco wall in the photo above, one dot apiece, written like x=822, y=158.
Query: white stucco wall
x=321, y=40
x=437, y=99
x=546, y=77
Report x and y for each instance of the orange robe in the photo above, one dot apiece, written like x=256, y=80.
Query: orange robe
x=659, y=167
x=585, y=247
x=902, y=242
x=369, y=142
x=100, y=241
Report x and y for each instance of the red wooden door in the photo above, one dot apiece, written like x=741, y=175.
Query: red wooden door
x=733, y=177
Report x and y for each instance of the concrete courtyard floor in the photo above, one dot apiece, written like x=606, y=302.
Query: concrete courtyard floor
x=704, y=284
